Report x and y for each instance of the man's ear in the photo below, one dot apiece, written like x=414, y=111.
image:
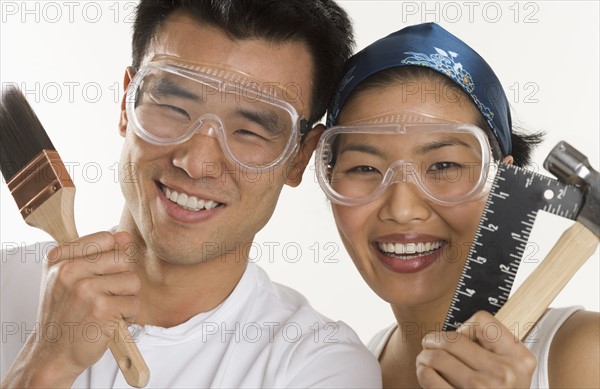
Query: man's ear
x=508, y=159
x=298, y=165
x=129, y=73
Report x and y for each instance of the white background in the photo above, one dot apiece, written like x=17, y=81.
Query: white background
x=70, y=57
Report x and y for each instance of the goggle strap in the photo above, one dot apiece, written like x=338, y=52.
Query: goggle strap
x=304, y=127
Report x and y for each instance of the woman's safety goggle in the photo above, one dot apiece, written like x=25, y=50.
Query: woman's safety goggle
x=449, y=162
x=169, y=101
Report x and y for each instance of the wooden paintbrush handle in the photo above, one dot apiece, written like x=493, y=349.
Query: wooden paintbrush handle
x=55, y=216
x=530, y=301
x=128, y=357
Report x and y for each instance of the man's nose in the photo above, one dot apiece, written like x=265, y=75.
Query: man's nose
x=201, y=156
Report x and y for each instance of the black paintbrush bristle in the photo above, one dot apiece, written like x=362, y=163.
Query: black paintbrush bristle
x=22, y=136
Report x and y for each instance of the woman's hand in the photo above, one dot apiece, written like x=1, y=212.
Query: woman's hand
x=482, y=353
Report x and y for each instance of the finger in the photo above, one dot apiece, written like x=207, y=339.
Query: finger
x=457, y=374
x=118, y=284
x=516, y=359
x=127, y=306
x=427, y=375
x=85, y=291
x=486, y=366
x=122, y=237
x=106, y=310
x=456, y=346
x=82, y=248
x=68, y=273
x=456, y=343
x=101, y=295
x=490, y=333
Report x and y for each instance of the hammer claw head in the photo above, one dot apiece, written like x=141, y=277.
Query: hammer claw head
x=572, y=167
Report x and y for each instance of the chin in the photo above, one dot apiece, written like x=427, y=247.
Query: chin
x=181, y=259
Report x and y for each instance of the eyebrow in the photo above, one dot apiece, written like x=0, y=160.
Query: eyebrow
x=423, y=149
x=166, y=87
x=267, y=120
x=436, y=145
x=361, y=148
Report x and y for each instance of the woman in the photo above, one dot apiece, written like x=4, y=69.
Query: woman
x=416, y=130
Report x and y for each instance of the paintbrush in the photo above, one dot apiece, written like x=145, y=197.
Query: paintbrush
x=45, y=194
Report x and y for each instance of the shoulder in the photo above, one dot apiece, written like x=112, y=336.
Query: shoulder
x=310, y=349
x=378, y=342
x=282, y=302
x=576, y=349
x=20, y=278
x=293, y=308
x=332, y=356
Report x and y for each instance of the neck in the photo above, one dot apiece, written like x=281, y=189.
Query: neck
x=415, y=321
x=399, y=355
x=171, y=294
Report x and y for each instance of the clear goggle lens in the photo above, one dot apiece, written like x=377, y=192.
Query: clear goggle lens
x=450, y=163
x=168, y=102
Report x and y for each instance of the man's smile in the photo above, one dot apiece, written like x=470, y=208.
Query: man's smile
x=187, y=201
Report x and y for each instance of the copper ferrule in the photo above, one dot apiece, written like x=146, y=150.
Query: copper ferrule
x=41, y=178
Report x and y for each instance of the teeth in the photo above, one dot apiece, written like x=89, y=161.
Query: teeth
x=189, y=202
x=183, y=200
x=172, y=196
x=410, y=248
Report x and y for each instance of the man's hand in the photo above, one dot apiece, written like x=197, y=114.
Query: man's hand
x=89, y=287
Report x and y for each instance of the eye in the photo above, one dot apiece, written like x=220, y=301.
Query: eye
x=175, y=110
x=444, y=165
x=165, y=108
x=362, y=169
x=248, y=133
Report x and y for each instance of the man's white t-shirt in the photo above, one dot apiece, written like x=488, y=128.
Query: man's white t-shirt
x=263, y=335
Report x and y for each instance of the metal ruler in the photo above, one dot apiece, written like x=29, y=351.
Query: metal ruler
x=501, y=240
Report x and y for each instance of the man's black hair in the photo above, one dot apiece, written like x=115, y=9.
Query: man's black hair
x=320, y=24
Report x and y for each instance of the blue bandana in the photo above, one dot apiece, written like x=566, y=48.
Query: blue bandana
x=431, y=46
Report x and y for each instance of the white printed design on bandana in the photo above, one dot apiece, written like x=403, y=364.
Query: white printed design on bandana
x=444, y=62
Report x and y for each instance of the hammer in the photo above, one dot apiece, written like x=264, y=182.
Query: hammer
x=572, y=250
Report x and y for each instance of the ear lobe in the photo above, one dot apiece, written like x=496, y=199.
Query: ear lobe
x=129, y=73
x=297, y=166
x=123, y=124
x=508, y=159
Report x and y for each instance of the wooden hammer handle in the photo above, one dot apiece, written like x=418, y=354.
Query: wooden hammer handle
x=55, y=216
x=525, y=307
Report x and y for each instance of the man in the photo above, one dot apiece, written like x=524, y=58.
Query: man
x=217, y=117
